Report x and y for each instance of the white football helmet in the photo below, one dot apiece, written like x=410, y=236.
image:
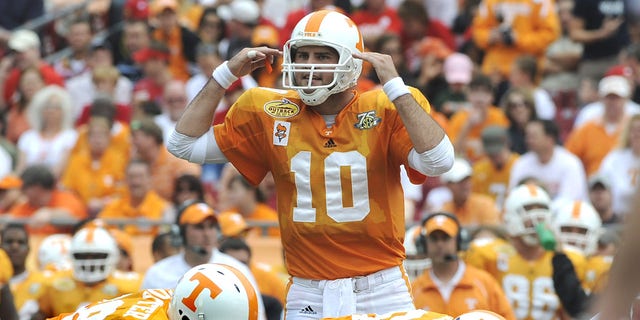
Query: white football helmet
x=480, y=315
x=526, y=206
x=102, y=250
x=323, y=28
x=213, y=291
x=579, y=226
x=54, y=252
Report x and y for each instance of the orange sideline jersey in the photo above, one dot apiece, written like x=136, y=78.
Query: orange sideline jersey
x=262, y=213
x=143, y=305
x=340, y=201
x=492, y=181
x=405, y=315
x=597, y=272
x=27, y=289
x=476, y=290
x=527, y=284
x=6, y=268
x=64, y=294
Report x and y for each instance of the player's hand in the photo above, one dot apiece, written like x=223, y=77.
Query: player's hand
x=249, y=59
x=382, y=63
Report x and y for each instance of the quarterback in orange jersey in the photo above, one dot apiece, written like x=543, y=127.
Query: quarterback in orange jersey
x=93, y=278
x=206, y=292
x=335, y=157
x=523, y=267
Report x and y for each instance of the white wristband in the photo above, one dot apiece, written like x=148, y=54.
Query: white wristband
x=395, y=88
x=223, y=75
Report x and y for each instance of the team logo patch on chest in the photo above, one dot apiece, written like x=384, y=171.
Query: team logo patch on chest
x=281, y=132
x=282, y=108
x=367, y=120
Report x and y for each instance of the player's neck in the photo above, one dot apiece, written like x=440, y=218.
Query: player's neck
x=335, y=103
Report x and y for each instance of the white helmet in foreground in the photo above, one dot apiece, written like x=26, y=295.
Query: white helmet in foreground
x=526, y=206
x=323, y=28
x=480, y=315
x=213, y=292
x=579, y=226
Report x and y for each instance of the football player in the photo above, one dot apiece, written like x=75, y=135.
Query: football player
x=7, y=307
x=206, y=292
x=579, y=227
x=26, y=285
x=54, y=253
x=523, y=266
x=335, y=155
x=94, y=255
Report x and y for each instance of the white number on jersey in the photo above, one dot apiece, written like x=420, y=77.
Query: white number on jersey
x=301, y=167
x=536, y=300
x=98, y=311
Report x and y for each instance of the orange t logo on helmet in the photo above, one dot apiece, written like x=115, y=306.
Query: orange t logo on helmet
x=203, y=283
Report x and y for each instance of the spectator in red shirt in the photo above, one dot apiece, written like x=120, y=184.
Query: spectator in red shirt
x=26, y=46
x=156, y=74
x=375, y=18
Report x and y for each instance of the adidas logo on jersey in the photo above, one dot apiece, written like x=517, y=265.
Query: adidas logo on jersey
x=330, y=144
x=308, y=310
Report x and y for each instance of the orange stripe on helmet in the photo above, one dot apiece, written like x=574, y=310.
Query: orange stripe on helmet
x=90, y=234
x=313, y=25
x=251, y=293
x=575, y=212
x=533, y=190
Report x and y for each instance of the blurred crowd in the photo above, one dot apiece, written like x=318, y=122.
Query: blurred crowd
x=542, y=92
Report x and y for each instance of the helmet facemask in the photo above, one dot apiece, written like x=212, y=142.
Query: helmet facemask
x=92, y=267
x=345, y=72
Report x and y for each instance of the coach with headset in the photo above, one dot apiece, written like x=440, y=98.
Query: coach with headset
x=450, y=286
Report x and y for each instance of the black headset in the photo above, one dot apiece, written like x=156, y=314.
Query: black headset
x=421, y=240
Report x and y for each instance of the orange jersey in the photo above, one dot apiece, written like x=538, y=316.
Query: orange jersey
x=152, y=208
x=91, y=181
x=492, y=181
x=597, y=272
x=262, y=213
x=473, y=146
x=143, y=305
x=405, y=315
x=64, y=200
x=63, y=294
x=120, y=139
x=6, y=268
x=476, y=290
x=27, y=289
x=166, y=169
x=478, y=210
x=340, y=201
x=269, y=282
x=527, y=284
x=591, y=143
x=534, y=23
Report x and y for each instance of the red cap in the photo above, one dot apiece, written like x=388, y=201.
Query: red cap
x=619, y=70
x=136, y=10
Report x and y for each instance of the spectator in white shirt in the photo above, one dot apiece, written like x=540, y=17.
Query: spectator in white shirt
x=523, y=75
x=174, y=101
x=560, y=172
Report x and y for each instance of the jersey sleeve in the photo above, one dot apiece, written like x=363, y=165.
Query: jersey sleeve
x=240, y=135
